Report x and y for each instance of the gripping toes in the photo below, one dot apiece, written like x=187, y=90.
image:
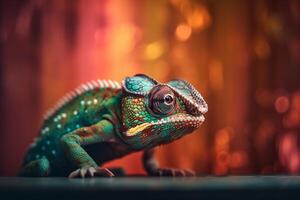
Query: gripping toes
x=173, y=172
x=91, y=172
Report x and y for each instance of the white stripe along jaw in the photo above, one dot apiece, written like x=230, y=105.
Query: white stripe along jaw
x=192, y=121
x=80, y=90
x=182, y=118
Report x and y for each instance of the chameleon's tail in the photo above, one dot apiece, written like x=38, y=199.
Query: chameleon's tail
x=36, y=168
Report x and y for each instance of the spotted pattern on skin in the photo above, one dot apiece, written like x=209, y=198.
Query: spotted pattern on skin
x=66, y=120
x=127, y=113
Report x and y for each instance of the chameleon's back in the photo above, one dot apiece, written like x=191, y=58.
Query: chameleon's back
x=87, y=105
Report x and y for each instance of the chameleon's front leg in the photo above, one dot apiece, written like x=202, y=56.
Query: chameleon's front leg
x=72, y=142
x=152, y=167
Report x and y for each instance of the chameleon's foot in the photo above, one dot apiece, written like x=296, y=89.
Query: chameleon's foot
x=91, y=172
x=172, y=172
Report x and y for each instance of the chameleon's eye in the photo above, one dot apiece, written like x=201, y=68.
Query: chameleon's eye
x=162, y=100
x=168, y=99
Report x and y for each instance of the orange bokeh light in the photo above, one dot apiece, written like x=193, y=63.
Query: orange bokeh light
x=183, y=32
x=154, y=50
x=282, y=104
x=198, y=18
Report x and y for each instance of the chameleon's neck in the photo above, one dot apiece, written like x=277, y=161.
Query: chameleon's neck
x=117, y=120
x=115, y=115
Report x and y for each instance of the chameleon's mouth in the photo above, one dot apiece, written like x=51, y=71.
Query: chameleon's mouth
x=180, y=120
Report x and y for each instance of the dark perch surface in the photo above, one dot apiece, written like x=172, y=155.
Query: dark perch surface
x=231, y=187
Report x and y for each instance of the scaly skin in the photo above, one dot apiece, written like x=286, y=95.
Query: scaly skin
x=102, y=121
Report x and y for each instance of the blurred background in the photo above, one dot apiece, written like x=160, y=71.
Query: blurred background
x=243, y=56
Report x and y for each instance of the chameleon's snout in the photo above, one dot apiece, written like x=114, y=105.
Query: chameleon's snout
x=192, y=99
x=196, y=108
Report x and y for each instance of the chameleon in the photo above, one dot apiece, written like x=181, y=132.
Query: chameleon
x=103, y=120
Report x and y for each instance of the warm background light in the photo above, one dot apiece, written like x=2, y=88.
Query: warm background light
x=244, y=57
x=154, y=50
x=183, y=32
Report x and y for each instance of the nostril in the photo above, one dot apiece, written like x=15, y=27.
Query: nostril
x=194, y=111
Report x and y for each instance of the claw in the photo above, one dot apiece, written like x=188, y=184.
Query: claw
x=104, y=172
x=189, y=172
x=174, y=172
x=91, y=172
x=178, y=173
x=83, y=172
x=74, y=174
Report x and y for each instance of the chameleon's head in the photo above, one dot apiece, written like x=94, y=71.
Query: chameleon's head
x=156, y=113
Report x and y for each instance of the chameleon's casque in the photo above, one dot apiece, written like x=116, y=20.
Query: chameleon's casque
x=102, y=120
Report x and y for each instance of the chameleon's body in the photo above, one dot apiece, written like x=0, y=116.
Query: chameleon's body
x=101, y=121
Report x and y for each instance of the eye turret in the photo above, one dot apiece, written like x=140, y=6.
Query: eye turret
x=162, y=100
